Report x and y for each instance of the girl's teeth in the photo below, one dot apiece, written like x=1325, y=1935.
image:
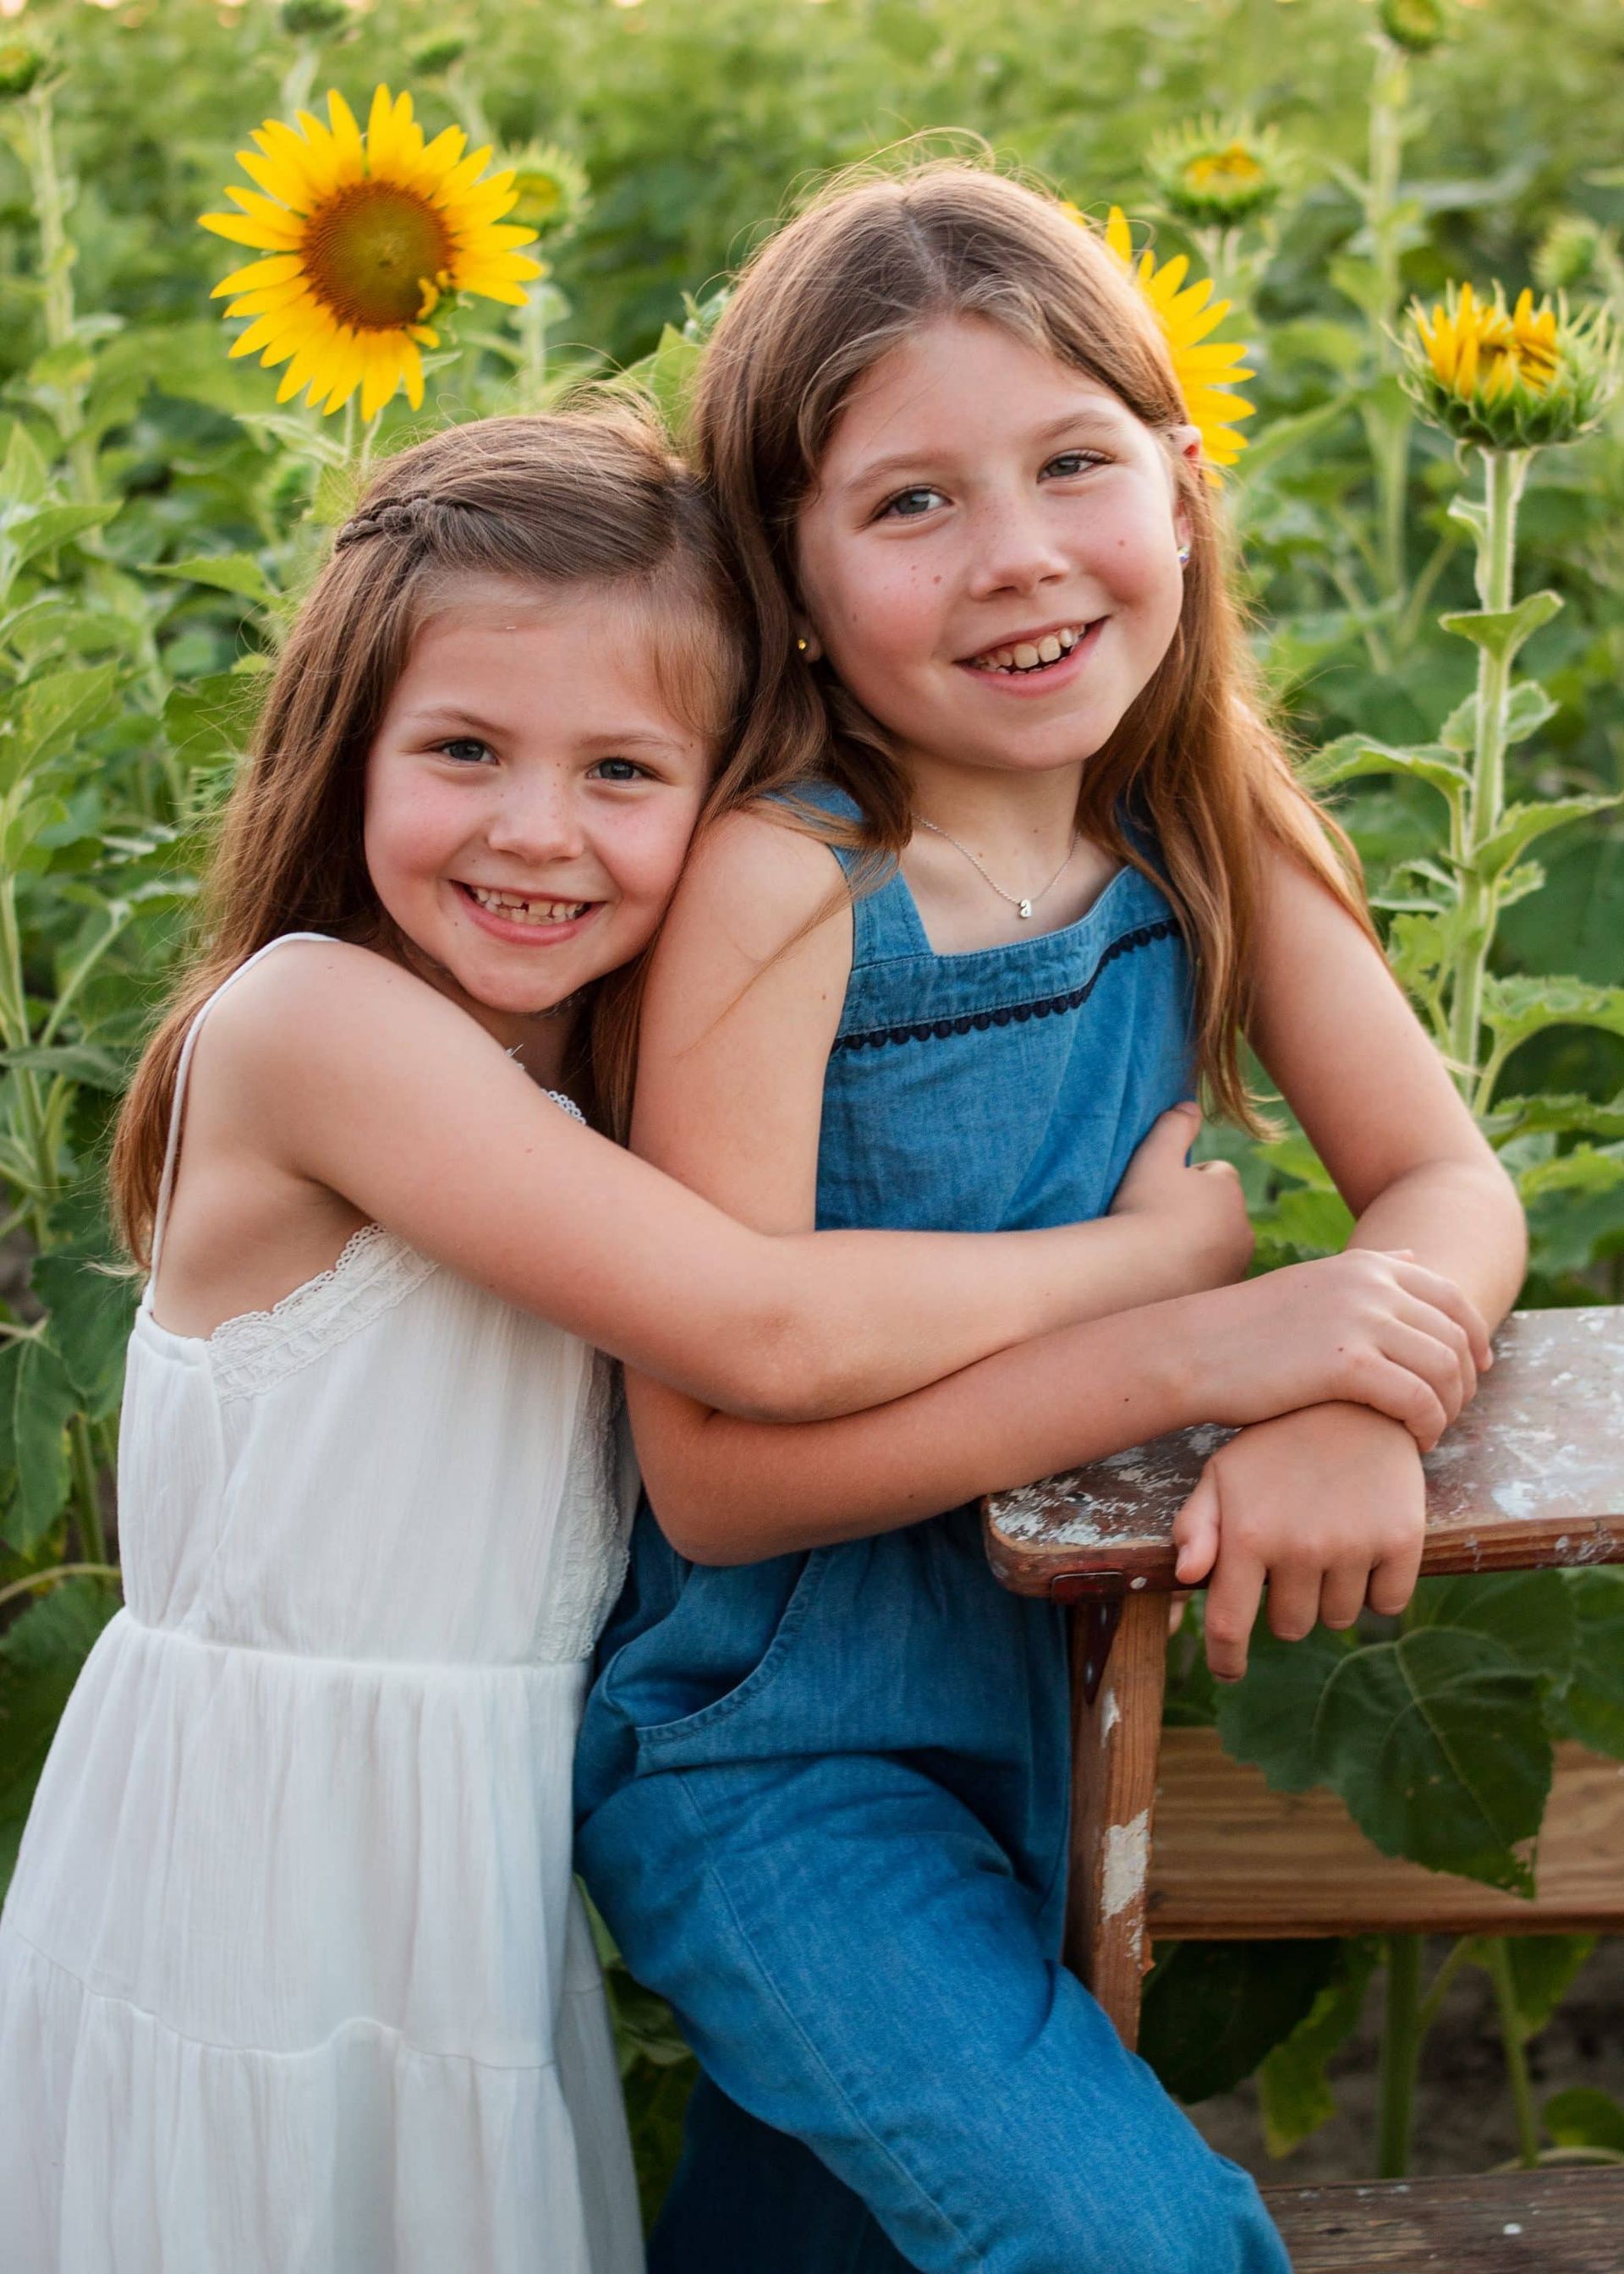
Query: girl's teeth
x=1029, y=655
x=523, y=911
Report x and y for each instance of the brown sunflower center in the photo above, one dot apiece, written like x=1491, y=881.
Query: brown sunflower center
x=371, y=253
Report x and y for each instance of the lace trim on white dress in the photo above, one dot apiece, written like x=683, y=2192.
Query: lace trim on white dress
x=373, y=1271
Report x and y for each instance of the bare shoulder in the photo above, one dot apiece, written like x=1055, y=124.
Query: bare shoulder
x=320, y=1006
x=761, y=883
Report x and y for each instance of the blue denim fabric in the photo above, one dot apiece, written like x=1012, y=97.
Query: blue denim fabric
x=823, y=1800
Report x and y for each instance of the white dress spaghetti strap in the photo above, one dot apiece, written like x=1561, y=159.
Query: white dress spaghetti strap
x=294, y=1979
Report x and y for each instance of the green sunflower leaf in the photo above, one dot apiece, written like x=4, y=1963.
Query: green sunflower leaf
x=1438, y=1744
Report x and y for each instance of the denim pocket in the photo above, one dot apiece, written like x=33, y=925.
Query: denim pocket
x=665, y=1738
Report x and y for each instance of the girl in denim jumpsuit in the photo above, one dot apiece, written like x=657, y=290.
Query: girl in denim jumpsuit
x=822, y=1796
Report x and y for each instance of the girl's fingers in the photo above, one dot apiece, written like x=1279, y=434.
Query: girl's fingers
x=1404, y=1396
x=1439, y=1349
x=1393, y=1582
x=1293, y=1602
x=1432, y=1361
x=1342, y=1592
x=1195, y=1531
x=1231, y=1612
x=1444, y=1296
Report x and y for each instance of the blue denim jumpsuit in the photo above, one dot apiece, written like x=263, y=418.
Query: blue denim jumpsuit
x=823, y=1799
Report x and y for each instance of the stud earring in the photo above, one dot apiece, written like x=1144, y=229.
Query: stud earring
x=1183, y=556
x=801, y=647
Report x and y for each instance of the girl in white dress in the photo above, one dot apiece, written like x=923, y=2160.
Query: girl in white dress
x=293, y=1979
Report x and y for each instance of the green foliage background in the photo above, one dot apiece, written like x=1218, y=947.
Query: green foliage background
x=159, y=516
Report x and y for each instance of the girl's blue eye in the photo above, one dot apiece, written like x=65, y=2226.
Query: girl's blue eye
x=619, y=770
x=465, y=749
x=904, y=505
x=1075, y=462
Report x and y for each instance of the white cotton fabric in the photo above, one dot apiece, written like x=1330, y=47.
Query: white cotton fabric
x=294, y=1979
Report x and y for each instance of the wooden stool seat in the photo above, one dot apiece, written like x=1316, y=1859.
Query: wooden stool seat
x=1498, y=2222
x=1531, y=1476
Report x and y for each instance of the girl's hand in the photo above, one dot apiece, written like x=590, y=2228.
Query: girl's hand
x=1195, y=1215
x=1367, y=1326
x=1325, y=1508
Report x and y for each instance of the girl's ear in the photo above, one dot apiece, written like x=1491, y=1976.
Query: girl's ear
x=1185, y=443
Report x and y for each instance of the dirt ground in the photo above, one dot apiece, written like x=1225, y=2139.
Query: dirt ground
x=1463, y=2121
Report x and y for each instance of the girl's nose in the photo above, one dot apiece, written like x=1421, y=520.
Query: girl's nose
x=536, y=824
x=1016, y=549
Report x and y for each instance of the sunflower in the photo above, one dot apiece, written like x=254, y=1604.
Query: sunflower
x=1509, y=378
x=1206, y=369
x=549, y=188
x=1216, y=172
x=367, y=235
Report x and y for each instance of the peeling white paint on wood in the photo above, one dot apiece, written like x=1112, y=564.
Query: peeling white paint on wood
x=1125, y=1864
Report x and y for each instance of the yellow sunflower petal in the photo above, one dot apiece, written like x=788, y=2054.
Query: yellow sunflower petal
x=1166, y=281
x=411, y=375
x=340, y=157
x=463, y=175
x=281, y=147
x=257, y=335
x=278, y=181
x=260, y=304
x=261, y=235
x=257, y=275
x=513, y=295
x=271, y=217
x=347, y=145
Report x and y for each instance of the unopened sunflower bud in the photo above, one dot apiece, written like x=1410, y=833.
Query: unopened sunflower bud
x=1214, y=172
x=549, y=187
x=314, y=19
x=1509, y=379
x=1419, y=25
x=437, y=54
x=22, y=66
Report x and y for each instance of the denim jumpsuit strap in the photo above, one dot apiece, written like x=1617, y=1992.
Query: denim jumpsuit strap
x=823, y=1800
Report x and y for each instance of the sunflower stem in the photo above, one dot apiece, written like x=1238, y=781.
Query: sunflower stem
x=56, y=257
x=299, y=78
x=1504, y=472
x=1498, y=1964
x=1388, y=423
x=533, y=346
x=1401, y=2049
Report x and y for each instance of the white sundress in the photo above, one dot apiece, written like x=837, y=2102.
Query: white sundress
x=294, y=1979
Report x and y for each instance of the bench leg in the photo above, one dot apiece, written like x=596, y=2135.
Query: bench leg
x=1114, y=1745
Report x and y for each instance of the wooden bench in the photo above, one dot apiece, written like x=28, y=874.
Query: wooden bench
x=1531, y=1476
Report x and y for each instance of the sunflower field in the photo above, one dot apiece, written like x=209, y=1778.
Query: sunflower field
x=245, y=247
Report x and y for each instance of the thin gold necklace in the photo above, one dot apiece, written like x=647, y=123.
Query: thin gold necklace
x=1022, y=904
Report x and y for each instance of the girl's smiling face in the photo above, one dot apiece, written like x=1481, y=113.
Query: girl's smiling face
x=531, y=794
x=981, y=506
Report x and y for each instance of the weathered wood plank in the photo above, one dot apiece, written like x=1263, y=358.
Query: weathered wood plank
x=1498, y=2222
x=1114, y=1747
x=1232, y=1860
x=1532, y=1474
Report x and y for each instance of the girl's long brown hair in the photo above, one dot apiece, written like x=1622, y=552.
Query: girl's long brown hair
x=569, y=499
x=1195, y=759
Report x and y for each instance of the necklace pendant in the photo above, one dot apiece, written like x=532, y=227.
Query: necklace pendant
x=1023, y=908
